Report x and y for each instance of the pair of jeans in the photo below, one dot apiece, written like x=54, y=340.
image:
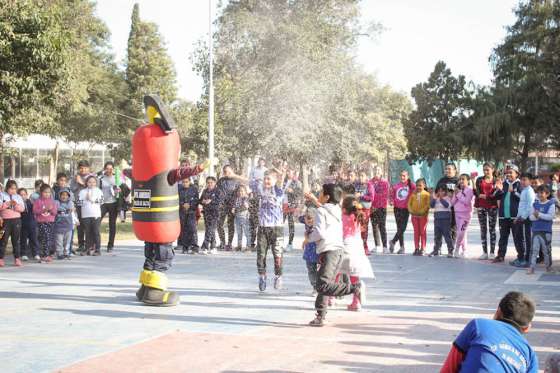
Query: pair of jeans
x=12, y=231
x=113, y=210
x=420, y=223
x=91, y=230
x=508, y=225
x=243, y=229
x=291, y=226
x=253, y=219
x=80, y=229
x=45, y=236
x=401, y=216
x=62, y=242
x=267, y=239
x=28, y=241
x=159, y=256
x=378, y=226
x=226, y=214
x=327, y=286
x=312, y=273
x=442, y=228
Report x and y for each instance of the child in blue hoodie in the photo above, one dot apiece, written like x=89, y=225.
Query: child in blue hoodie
x=310, y=248
x=64, y=224
x=542, y=216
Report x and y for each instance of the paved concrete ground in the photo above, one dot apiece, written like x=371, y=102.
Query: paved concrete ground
x=82, y=316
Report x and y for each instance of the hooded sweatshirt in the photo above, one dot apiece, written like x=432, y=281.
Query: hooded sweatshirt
x=327, y=230
x=45, y=210
x=381, y=193
x=462, y=201
x=7, y=211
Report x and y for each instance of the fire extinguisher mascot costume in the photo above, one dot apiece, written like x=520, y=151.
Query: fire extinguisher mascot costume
x=155, y=213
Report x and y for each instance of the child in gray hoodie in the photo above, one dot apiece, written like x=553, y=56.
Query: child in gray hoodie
x=327, y=234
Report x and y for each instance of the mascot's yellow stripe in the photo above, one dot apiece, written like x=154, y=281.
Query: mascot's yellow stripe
x=155, y=209
x=165, y=297
x=164, y=198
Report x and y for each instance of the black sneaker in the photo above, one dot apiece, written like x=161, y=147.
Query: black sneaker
x=416, y=252
x=109, y=249
x=391, y=247
x=498, y=259
x=434, y=253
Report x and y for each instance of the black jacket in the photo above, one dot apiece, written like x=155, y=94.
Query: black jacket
x=449, y=183
x=514, y=199
x=188, y=195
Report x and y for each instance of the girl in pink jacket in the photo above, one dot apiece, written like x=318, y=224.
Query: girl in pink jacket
x=11, y=207
x=45, y=209
x=463, y=203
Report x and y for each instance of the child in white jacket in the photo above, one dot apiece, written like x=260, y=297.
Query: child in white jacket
x=327, y=234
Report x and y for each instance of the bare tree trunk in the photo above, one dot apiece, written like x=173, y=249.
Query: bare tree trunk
x=53, y=163
x=305, y=177
x=2, y=146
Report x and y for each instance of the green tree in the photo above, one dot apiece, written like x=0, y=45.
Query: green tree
x=435, y=128
x=149, y=68
x=33, y=73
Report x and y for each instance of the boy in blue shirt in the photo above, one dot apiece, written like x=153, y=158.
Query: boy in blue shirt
x=496, y=345
x=542, y=216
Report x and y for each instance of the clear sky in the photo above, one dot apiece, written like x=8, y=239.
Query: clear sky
x=418, y=33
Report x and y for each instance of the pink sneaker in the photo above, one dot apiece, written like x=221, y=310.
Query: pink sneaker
x=48, y=259
x=355, y=305
x=18, y=262
x=2, y=264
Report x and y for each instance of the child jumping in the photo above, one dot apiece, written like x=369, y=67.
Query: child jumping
x=356, y=263
x=419, y=208
x=542, y=217
x=270, y=196
x=463, y=203
x=327, y=234
x=442, y=222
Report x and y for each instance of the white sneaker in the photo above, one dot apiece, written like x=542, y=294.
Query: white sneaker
x=278, y=282
x=385, y=250
x=24, y=258
x=461, y=254
x=213, y=251
x=492, y=256
x=375, y=250
x=288, y=248
x=37, y=257
x=314, y=293
x=484, y=256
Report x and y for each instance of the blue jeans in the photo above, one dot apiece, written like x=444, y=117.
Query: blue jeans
x=242, y=228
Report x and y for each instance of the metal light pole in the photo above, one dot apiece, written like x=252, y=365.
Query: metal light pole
x=210, y=92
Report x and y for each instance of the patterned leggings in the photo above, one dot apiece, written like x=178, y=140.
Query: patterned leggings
x=45, y=234
x=291, y=226
x=487, y=218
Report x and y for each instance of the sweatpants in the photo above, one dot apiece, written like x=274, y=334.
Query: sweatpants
x=487, y=218
x=28, y=240
x=12, y=231
x=442, y=228
x=242, y=228
x=507, y=225
x=91, y=230
x=463, y=219
x=189, y=234
x=420, y=223
x=226, y=214
x=45, y=236
x=210, y=226
x=62, y=241
x=327, y=286
x=267, y=239
x=312, y=273
x=113, y=210
x=401, y=216
x=378, y=226
x=541, y=241
x=159, y=256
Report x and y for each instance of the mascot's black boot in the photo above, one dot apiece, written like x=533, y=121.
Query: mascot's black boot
x=153, y=291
